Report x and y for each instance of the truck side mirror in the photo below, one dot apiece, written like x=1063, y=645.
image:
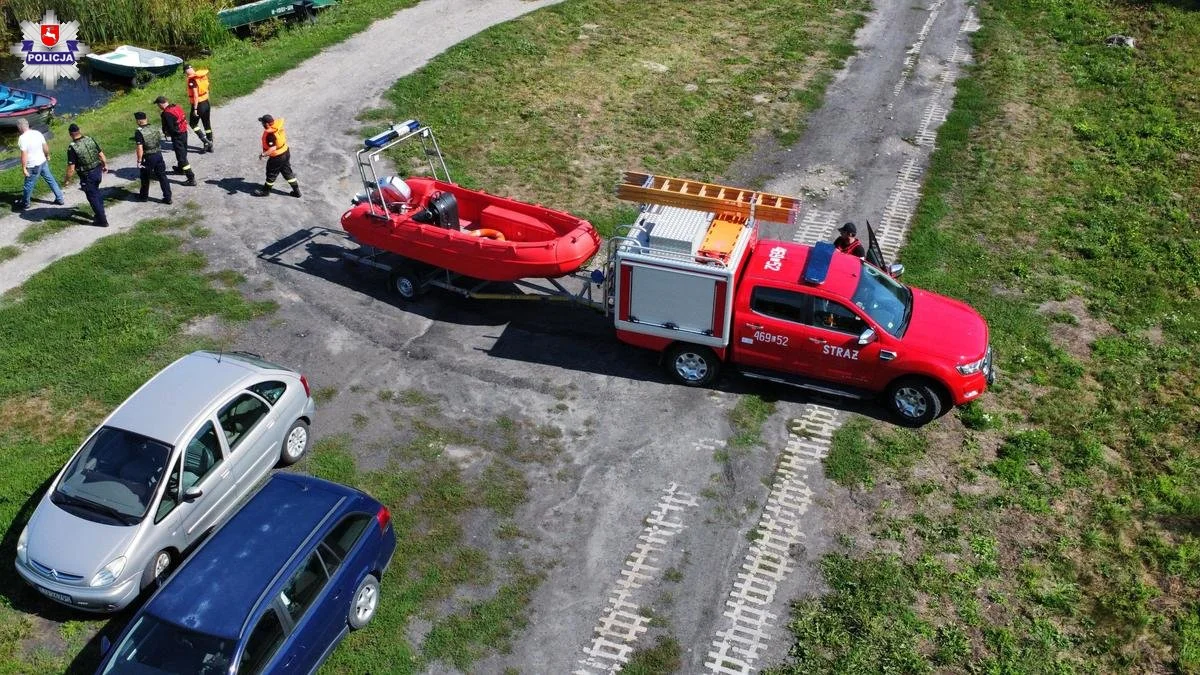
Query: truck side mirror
x=868, y=336
x=895, y=269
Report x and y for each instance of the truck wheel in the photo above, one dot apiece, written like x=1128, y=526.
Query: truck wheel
x=692, y=365
x=403, y=282
x=914, y=401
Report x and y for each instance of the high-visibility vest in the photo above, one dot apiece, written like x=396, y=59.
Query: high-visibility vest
x=197, y=86
x=281, y=145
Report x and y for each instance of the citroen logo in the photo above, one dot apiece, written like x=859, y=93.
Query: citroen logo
x=54, y=573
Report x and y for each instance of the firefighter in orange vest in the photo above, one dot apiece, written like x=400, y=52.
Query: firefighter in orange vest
x=197, y=90
x=279, y=157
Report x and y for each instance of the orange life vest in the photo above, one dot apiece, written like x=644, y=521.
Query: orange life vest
x=281, y=145
x=197, y=86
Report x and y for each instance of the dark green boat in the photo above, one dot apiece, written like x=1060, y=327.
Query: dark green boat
x=235, y=17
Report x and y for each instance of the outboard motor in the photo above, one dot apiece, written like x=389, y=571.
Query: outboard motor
x=442, y=211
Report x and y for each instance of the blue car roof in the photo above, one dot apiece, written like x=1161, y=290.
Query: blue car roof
x=222, y=582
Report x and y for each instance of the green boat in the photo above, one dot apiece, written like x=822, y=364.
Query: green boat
x=236, y=17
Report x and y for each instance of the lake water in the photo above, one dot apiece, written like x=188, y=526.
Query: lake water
x=73, y=95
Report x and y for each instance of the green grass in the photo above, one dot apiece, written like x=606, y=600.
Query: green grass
x=1051, y=527
x=238, y=67
x=464, y=636
x=75, y=340
x=663, y=658
x=428, y=499
x=554, y=106
x=857, y=454
x=172, y=23
x=9, y=252
x=746, y=421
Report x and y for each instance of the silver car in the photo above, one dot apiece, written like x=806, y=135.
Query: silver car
x=165, y=468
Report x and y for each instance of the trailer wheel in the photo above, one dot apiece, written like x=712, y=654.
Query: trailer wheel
x=692, y=365
x=404, y=283
x=915, y=401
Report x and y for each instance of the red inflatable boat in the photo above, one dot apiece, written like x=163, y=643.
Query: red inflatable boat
x=470, y=232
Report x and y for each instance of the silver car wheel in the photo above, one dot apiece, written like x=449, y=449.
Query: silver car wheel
x=296, y=441
x=162, y=563
x=911, y=402
x=365, y=603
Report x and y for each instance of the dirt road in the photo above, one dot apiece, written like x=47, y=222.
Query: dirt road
x=642, y=522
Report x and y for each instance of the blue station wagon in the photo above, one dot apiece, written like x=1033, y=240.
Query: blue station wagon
x=273, y=591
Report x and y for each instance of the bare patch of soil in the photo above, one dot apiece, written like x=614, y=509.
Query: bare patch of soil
x=1074, y=328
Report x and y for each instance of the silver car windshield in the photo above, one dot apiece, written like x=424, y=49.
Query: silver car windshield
x=887, y=301
x=116, y=474
x=154, y=646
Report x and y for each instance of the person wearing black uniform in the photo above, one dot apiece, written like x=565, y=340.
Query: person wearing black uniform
x=279, y=156
x=175, y=126
x=197, y=90
x=849, y=242
x=85, y=156
x=148, y=140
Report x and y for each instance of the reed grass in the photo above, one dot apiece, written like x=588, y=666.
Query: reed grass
x=146, y=23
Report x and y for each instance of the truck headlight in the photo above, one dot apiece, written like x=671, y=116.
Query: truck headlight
x=22, y=547
x=109, y=573
x=972, y=367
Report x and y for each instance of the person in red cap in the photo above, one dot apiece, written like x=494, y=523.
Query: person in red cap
x=279, y=156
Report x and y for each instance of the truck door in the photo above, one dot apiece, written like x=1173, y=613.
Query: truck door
x=772, y=333
x=835, y=329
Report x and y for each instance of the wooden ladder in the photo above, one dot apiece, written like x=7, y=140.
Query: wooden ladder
x=645, y=188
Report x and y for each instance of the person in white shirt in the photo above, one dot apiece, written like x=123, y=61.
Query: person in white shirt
x=35, y=162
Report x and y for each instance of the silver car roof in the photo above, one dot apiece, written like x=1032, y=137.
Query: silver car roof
x=169, y=402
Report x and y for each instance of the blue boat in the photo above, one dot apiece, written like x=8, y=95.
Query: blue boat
x=16, y=104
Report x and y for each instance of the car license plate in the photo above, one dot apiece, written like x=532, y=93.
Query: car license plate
x=61, y=597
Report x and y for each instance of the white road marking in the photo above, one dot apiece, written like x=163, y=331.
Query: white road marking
x=622, y=624
x=906, y=193
x=769, y=561
x=815, y=225
x=914, y=52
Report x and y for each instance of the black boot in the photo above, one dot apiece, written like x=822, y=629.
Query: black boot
x=191, y=178
x=263, y=191
x=295, y=189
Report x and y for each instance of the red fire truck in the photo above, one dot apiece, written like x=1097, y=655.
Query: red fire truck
x=691, y=279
